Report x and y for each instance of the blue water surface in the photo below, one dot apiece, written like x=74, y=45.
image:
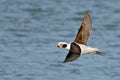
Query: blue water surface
x=30, y=30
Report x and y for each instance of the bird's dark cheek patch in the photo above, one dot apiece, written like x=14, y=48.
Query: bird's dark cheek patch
x=64, y=45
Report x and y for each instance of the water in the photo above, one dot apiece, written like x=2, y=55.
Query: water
x=30, y=30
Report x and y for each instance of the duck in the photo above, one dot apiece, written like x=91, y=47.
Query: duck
x=79, y=45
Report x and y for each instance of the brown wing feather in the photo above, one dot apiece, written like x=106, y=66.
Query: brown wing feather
x=84, y=31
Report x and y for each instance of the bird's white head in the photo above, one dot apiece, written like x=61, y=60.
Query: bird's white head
x=62, y=45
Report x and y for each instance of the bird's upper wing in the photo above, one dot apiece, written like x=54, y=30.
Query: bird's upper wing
x=74, y=52
x=84, y=31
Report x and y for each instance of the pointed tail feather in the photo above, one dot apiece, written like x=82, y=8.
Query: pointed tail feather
x=100, y=53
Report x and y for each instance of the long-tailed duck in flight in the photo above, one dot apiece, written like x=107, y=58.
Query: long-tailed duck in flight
x=78, y=46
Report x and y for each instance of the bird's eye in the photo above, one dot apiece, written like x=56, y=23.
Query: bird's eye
x=64, y=45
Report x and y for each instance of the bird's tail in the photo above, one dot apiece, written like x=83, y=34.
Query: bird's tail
x=100, y=53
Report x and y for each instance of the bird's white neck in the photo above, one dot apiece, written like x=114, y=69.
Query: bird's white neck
x=68, y=47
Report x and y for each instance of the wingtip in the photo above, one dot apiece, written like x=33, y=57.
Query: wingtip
x=86, y=12
x=65, y=61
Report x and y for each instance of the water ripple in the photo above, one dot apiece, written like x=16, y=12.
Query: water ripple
x=31, y=29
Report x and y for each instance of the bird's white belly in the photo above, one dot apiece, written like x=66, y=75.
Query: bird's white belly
x=86, y=49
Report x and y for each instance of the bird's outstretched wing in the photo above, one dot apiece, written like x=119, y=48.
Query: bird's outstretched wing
x=74, y=52
x=84, y=31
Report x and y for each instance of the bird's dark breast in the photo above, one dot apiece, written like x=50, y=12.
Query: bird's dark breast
x=74, y=52
x=75, y=48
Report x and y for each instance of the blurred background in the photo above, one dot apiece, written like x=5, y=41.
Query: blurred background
x=30, y=30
